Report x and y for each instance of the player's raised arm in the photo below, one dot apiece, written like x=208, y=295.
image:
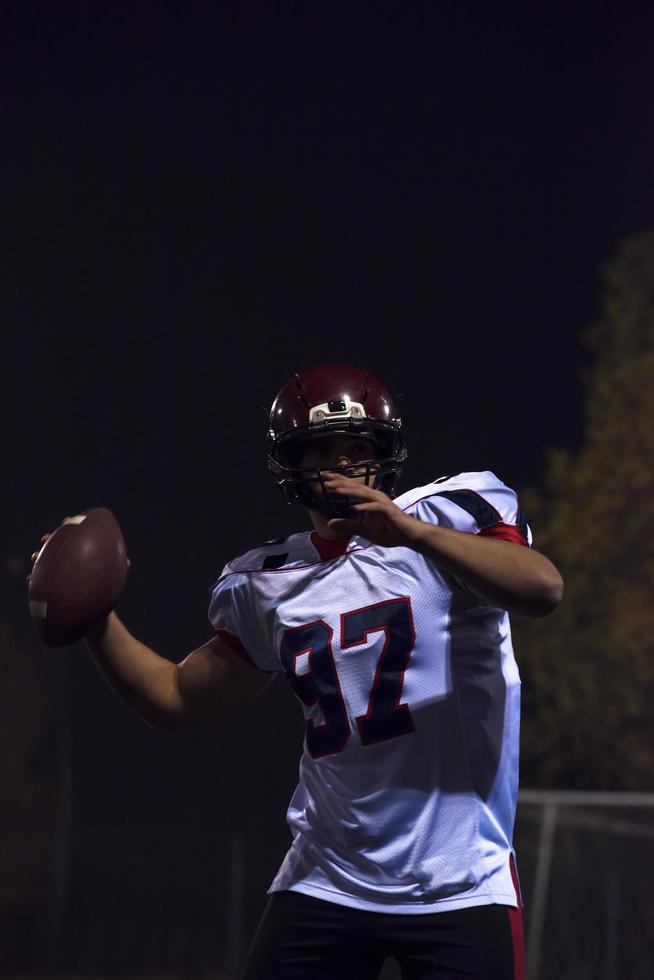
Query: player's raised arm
x=513, y=577
x=210, y=682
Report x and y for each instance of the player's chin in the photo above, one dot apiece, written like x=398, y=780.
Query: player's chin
x=341, y=525
x=350, y=517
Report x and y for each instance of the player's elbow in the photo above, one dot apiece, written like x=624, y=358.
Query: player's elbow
x=554, y=589
x=168, y=711
x=548, y=594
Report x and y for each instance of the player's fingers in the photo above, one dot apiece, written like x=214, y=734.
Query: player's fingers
x=35, y=554
x=334, y=479
x=333, y=475
x=353, y=489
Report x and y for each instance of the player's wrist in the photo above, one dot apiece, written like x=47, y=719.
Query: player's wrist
x=102, y=632
x=414, y=532
x=95, y=635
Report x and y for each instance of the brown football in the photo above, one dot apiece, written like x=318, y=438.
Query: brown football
x=78, y=576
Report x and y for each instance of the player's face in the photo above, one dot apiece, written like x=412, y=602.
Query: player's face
x=333, y=451
x=338, y=451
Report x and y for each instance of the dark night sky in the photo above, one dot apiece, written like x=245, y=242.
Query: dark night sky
x=200, y=198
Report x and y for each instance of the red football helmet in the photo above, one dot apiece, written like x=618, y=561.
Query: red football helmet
x=327, y=400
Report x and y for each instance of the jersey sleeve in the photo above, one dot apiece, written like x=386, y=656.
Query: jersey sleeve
x=477, y=503
x=234, y=618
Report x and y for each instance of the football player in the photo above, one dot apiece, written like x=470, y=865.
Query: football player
x=390, y=619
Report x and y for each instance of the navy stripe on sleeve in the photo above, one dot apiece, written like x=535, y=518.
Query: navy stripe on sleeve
x=274, y=561
x=484, y=513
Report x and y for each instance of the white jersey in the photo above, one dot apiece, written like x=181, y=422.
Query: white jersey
x=411, y=695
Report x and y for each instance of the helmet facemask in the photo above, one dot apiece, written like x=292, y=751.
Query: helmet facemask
x=306, y=485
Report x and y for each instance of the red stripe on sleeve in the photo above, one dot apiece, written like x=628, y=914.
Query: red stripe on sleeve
x=236, y=646
x=505, y=532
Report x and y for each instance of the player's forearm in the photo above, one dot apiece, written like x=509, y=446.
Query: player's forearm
x=143, y=679
x=509, y=575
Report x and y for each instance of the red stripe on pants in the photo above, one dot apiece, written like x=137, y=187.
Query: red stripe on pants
x=517, y=937
x=517, y=930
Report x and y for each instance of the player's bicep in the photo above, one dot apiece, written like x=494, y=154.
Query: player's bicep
x=213, y=680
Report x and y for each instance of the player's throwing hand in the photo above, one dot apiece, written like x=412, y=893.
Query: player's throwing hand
x=382, y=522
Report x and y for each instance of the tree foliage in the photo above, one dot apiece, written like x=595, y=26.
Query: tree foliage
x=588, y=671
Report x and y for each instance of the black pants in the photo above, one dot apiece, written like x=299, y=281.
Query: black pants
x=303, y=938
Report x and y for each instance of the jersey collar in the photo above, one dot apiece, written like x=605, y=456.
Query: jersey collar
x=329, y=548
